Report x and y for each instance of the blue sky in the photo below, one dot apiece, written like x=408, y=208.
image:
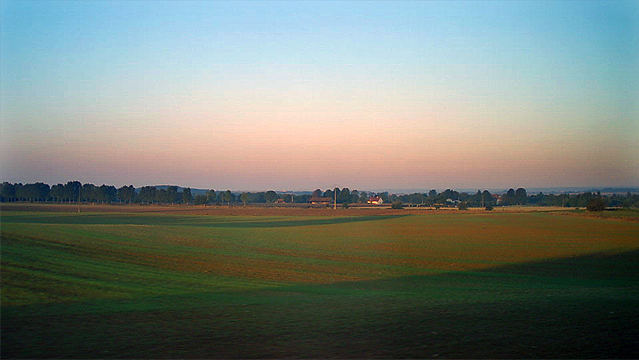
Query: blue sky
x=228, y=93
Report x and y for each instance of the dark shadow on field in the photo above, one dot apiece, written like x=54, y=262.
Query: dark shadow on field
x=577, y=307
x=168, y=220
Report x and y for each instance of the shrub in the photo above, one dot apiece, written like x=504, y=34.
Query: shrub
x=596, y=204
x=345, y=205
x=489, y=207
x=462, y=206
x=397, y=205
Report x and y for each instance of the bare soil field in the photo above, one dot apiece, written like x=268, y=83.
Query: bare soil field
x=253, y=210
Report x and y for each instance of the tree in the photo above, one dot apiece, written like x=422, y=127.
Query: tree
x=89, y=193
x=227, y=197
x=302, y=198
x=147, y=194
x=7, y=191
x=317, y=193
x=596, y=204
x=171, y=194
x=509, y=197
x=270, y=196
x=462, y=206
x=211, y=196
x=397, y=205
x=72, y=191
x=33, y=192
x=244, y=197
x=487, y=198
x=43, y=191
x=57, y=192
x=107, y=193
x=20, y=195
x=521, y=198
x=445, y=195
x=126, y=194
x=344, y=196
x=354, y=196
x=162, y=196
x=187, y=197
x=478, y=199
x=328, y=193
x=200, y=199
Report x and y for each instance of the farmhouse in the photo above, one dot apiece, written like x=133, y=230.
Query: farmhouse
x=375, y=200
x=320, y=201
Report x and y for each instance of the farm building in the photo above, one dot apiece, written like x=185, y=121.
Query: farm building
x=320, y=201
x=375, y=200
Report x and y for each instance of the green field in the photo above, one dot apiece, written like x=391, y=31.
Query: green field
x=104, y=285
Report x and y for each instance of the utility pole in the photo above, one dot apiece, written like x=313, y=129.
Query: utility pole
x=335, y=201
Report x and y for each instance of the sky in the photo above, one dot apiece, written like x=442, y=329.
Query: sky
x=303, y=95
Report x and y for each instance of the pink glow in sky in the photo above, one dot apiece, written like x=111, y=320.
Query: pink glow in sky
x=296, y=96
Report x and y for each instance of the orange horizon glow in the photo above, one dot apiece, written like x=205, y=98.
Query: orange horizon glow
x=410, y=95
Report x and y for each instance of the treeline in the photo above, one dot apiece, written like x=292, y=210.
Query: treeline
x=512, y=197
x=74, y=191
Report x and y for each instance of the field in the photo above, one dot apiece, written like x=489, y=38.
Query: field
x=130, y=282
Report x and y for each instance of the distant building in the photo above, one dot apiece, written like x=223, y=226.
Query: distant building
x=280, y=201
x=320, y=201
x=452, y=202
x=375, y=200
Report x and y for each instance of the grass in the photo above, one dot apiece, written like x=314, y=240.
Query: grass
x=442, y=285
x=612, y=213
